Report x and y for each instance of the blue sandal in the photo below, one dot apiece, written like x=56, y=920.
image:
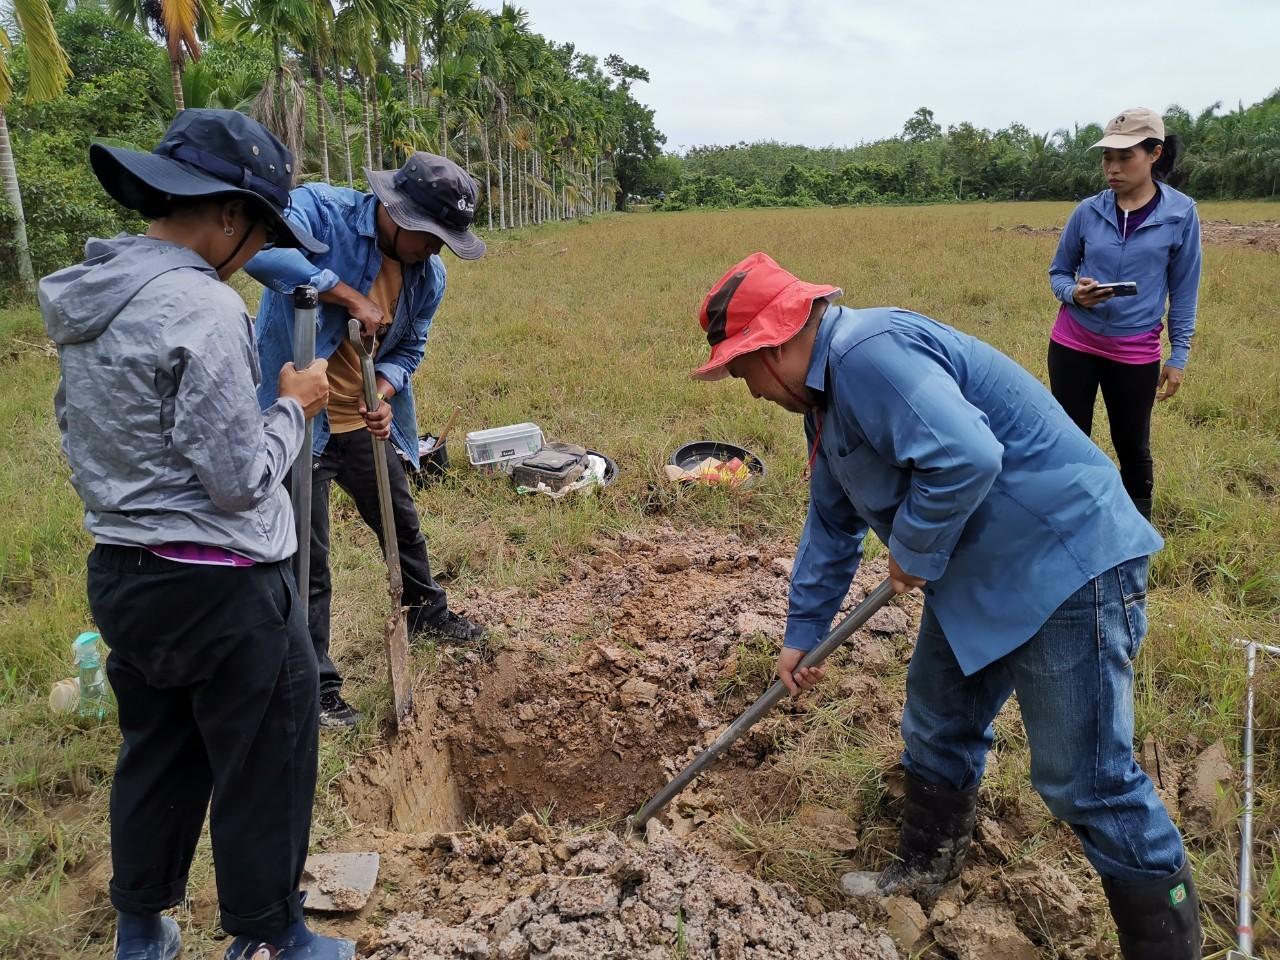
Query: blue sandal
x=296, y=943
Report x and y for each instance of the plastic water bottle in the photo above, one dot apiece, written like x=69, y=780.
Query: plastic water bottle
x=93, y=683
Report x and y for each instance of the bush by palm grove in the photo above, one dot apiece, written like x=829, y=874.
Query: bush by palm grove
x=1233, y=155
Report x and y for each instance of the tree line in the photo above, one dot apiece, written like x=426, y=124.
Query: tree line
x=1235, y=154
x=548, y=132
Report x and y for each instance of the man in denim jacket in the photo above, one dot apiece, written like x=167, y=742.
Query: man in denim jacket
x=1031, y=557
x=383, y=268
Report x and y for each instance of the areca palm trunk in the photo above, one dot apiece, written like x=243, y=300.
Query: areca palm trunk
x=368, y=129
x=342, y=123
x=511, y=181
x=502, y=191
x=175, y=77
x=377, y=129
x=317, y=80
x=9, y=175
x=488, y=173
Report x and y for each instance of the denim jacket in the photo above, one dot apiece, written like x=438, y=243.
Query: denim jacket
x=344, y=219
x=1163, y=255
x=970, y=472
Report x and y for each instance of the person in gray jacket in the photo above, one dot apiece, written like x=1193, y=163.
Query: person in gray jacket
x=189, y=582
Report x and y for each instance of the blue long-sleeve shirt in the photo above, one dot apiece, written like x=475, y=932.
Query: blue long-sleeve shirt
x=970, y=471
x=345, y=220
x=1163, y=256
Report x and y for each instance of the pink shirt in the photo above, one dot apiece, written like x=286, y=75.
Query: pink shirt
x=201, y=555
x=1141, y=348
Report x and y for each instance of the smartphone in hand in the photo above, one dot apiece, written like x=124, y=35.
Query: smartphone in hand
x=1120, y=288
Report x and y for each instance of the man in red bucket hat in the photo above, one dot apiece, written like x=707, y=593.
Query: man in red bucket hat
x=1031, y=556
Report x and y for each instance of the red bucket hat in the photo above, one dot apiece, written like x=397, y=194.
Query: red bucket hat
x=756, y=304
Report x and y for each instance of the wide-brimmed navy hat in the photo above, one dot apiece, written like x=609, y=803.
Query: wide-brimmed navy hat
x=207, y=153
x=431, y=194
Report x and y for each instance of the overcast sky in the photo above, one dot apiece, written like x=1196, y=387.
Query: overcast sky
x=824, y=72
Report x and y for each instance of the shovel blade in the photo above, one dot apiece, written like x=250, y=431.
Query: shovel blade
x=339, y=882
x=397, y=646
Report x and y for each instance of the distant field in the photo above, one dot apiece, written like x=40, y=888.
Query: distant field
x=590, y=331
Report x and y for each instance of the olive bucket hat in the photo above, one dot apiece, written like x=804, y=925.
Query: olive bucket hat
x=431, y=194
x=207, y=153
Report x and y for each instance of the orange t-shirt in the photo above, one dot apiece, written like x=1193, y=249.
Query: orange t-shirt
x=346, y=383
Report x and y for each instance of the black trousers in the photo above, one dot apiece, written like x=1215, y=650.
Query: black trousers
x=1128, y=393
x=348, y=461
x=215, y=680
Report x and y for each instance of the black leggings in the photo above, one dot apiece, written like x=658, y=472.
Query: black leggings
x=1128, y=393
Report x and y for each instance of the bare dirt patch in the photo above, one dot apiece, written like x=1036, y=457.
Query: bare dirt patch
x=1259, y=235
x=499, y=817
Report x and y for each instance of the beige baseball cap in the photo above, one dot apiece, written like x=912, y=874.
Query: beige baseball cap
x=1130, y=127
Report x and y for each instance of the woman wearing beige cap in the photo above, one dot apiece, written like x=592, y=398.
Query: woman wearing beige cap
x=1126, y=255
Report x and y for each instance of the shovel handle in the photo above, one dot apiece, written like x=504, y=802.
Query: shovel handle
x=752, y=715
x=453, y=418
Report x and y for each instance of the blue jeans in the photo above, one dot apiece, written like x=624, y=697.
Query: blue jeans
x=1074, y=681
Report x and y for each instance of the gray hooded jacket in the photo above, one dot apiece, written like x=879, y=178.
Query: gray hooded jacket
x=157, y=403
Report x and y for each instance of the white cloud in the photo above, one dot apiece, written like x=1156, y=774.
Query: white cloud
x=825, y=71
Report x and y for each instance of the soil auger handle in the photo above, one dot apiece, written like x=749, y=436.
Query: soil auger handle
x=752, y=715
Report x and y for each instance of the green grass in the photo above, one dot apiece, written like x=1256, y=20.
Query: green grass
x=589, y=330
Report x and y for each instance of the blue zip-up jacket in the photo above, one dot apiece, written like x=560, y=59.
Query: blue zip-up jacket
x=1163, y=255
x=344, y=219
x=970, y=471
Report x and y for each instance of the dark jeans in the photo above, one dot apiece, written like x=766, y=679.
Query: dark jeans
x=1128, y=392
x=216, y=685
x=1074, y=681
x=348, y=460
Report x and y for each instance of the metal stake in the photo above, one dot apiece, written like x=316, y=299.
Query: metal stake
x=305, y=302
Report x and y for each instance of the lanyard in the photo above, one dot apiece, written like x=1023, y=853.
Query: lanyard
x=817, y=411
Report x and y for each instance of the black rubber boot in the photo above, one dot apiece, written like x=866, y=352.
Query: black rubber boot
x=1144, y=506
x=1159, y=920
x=937, y=828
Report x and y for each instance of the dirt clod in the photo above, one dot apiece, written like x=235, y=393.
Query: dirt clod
x=907, y=923
x=1207, y=803
x=985, y=931
x=654, y=900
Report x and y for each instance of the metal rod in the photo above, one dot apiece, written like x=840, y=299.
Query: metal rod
x=305, y=302
x=1244, y=925
x=1264, y=647
x=835, y=639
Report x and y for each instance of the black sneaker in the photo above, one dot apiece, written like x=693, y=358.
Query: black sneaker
x=336, y=712
x=451, y=628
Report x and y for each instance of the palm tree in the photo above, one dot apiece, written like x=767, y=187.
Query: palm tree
x=281, y=105
x=315, y=37
x=48, y=71
x=445, y=31
x=177, y=22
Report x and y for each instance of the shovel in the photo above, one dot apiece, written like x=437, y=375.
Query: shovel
x=305, y=301
x=395, y=631
x=752, y=715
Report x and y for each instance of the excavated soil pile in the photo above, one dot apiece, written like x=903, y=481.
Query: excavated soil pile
x=523, y=894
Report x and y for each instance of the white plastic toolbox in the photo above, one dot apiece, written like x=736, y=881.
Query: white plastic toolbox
x=499, y=449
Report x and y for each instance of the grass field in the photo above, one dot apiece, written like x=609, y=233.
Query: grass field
x=588, y=329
